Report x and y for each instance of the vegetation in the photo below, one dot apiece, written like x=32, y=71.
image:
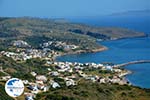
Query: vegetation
x=36, y=31
x=21, y=70
x=3, y=95
x=85, y=90
x=95, y=91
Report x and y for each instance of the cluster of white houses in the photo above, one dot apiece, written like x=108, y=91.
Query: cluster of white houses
x=59, y=45
x=30, y=53
x=24, y=51
x=69, y=73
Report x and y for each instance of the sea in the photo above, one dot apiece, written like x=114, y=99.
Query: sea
x=120, y=51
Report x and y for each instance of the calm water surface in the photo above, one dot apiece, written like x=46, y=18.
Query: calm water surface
x=121, y=51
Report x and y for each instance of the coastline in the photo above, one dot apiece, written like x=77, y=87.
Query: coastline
x=114, y=39
x=106, y=48
x=98, y=49
x=81, y=51
x=123, y=75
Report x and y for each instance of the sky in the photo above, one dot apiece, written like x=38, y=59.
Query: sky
x=68, y=8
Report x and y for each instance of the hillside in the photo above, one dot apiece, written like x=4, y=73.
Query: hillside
x=93, y=91
x=36, y=31
x=84, y=90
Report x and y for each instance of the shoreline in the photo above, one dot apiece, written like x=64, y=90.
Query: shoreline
x=130, y=72
x=96, y=50
x=114, y=39
x=106, y=48
x=81, y=51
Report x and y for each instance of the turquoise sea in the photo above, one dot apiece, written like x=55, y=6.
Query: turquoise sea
x=121, y=51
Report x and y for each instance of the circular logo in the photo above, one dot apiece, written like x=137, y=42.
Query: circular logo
x=14, y=87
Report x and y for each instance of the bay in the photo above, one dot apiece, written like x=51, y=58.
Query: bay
x=120, y=51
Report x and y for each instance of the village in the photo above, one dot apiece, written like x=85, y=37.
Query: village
x=24, y=51
x=61, y=74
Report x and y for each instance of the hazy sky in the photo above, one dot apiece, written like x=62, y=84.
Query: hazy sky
x=68, y=8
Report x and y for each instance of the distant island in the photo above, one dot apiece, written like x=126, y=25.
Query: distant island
x=138, y=13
